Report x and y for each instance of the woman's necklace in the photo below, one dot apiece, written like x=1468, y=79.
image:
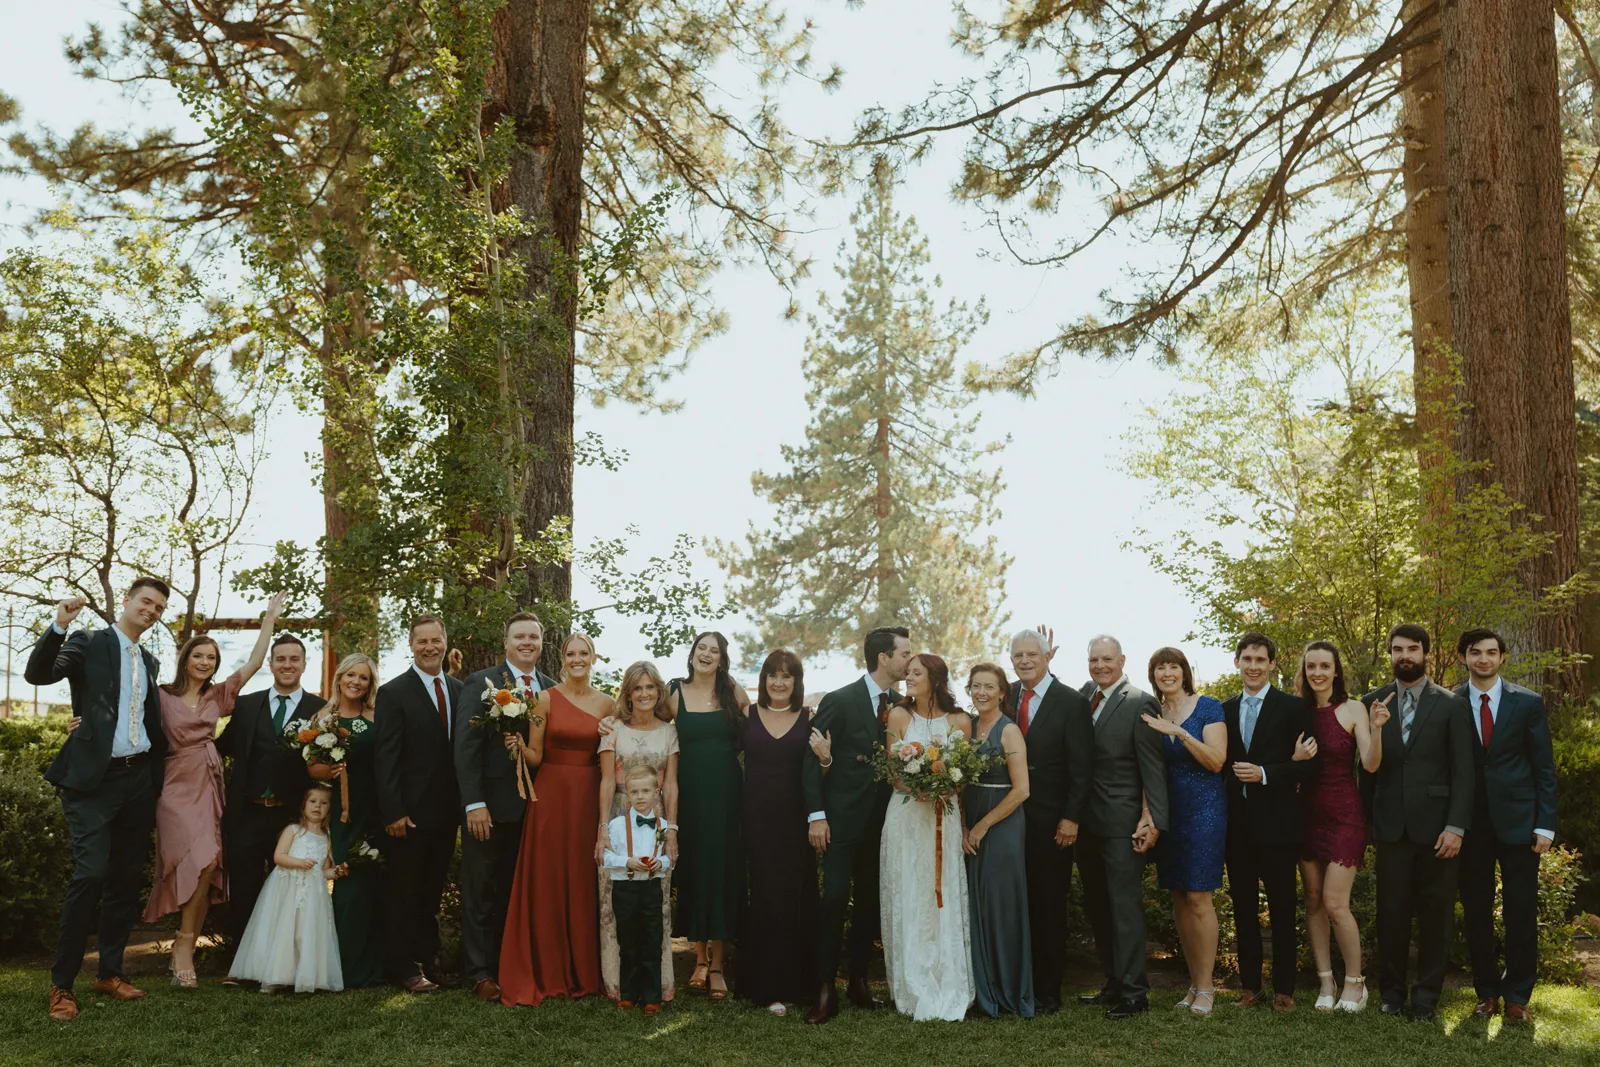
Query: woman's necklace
x=784, y=708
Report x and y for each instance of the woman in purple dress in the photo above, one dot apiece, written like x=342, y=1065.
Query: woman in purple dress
x=1336, y=834
x=776, y=940
x=189, y=875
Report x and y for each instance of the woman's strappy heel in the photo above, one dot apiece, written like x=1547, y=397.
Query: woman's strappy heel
x=1199, y=1008
x=184, y=979
x=1324, y=1000
x=1354, y=1005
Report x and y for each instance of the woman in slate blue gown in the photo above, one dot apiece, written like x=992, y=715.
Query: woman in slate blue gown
x=997, y=873
x=1189, y=855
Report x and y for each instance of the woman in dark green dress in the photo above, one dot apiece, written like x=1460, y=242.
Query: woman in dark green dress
x=356, y=912
x=709, y=877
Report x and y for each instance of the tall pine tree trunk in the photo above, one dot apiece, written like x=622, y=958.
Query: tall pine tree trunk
x=1551, y=391
x=1508, y=299
x=537, y=82
x=1427, y=235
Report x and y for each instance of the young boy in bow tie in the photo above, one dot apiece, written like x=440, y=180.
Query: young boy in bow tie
x=635, y=858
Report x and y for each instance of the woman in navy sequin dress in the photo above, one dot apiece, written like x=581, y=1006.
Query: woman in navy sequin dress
x=1189, y=855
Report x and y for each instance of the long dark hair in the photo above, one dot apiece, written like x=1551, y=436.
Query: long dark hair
x=180, y=684
x=1340, y=693
x=938, y=681
x=722, y=686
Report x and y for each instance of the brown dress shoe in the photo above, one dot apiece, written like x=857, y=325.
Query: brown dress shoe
x=119, y=988
x=63, y=1005
x=486, y=989
x=826, y=1005
x=1518, y=1013
x=652, y=1009
x=1282, y=1003
x=1487, y=1008
x=1250, y=998
x=418, y=983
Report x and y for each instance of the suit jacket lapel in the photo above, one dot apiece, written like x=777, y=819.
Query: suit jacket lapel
x=1425, y=704
x=1510, y=705
x=1112, y=704
x=1038, y=712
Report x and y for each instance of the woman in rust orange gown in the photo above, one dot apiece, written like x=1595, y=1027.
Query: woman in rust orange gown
x=552, y=940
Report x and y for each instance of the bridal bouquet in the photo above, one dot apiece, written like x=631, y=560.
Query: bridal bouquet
x=506, y=710
x=935, y=771
x=931, y=771
x=324, y=739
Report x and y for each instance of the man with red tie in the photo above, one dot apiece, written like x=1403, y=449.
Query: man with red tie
x=1054, y=720
x=492, y=809
x=1513, y=825
x=419, y=802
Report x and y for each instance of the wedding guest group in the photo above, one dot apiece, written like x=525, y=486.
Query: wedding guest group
x=759, y=830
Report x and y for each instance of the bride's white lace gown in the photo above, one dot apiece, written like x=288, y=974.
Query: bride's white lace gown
x=927, y=947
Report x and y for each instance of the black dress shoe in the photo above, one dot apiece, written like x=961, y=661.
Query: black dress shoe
x=1047, y=1007
x=826, y=1005
x=860, y=994
x=1421, y=1015
x=1127, y=1009
x=1392, y=1007
x=1103, y=999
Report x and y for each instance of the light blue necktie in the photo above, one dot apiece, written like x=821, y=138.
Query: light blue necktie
x=1247, y=728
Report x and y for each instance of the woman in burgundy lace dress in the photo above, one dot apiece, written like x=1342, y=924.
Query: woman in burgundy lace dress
x=1336, y=834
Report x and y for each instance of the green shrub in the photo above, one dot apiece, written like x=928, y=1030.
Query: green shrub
x=1577, y=750
x=28, y=743
x=1560, y=874
x=35, y=859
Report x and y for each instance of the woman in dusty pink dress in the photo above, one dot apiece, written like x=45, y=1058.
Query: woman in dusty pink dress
x=189, y=874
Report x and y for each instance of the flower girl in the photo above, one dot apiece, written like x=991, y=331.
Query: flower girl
x=290, y=939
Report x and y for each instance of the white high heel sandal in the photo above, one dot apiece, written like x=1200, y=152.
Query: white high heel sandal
x=1324, y=1000
x=1354, y=1005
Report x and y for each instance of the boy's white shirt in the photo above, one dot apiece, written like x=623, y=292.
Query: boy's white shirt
x=646, y=845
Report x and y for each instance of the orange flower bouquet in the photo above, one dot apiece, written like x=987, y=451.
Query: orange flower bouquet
x=507, y=709
x=324, y=739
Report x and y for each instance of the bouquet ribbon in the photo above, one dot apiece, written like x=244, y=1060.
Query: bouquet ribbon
x=344, y=794
x=938, y=852
x=524, y=776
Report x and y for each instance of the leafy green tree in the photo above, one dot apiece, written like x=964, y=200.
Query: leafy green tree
x=880, y=514
x=129, y=400
x=1301, y=510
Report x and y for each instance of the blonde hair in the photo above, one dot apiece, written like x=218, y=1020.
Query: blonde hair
x=369, y=704
x=643, y=670
x=585, y=638
x=639, y=772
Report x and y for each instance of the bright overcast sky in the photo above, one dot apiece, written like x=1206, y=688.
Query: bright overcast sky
x=1067, y=507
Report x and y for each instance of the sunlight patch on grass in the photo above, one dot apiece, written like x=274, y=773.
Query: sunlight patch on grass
x=672, y=1027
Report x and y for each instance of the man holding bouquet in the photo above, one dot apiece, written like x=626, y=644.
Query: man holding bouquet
x=847, y=808
x=491, y=806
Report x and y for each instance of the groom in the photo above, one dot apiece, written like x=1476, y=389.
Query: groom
x=847, y=808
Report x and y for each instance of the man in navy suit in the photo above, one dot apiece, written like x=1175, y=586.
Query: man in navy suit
x=1513, y=824
x=108, y=775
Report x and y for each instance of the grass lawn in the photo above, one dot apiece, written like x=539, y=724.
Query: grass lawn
x=218, y=1027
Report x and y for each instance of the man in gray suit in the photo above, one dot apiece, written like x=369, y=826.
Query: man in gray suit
x=1420, y=799
x=1127, y=811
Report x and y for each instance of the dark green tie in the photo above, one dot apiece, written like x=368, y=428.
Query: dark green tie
x=278, y=719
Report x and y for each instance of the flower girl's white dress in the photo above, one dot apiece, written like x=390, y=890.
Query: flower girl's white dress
x=290, y=940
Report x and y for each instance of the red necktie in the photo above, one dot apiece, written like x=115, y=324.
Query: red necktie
x=438, y=695
x=883, y=709
x=1485, y=720
x=1094, y=705
x=1022, y=712
x=527, y=681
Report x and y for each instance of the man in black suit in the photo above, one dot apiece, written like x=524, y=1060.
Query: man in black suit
x=1054, y=720
x=1126, y=813
x=490, y=805
x=845, y=823
x=1265, y=829
x=419, y=801
x=1421, y=797
x=1513, y=824
x=108, y=775
x=266, y=778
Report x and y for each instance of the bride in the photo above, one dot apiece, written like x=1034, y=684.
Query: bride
x=926, y=946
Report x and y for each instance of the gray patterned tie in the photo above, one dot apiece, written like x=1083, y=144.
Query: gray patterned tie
x=1247, y=728
x=1408, y=711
